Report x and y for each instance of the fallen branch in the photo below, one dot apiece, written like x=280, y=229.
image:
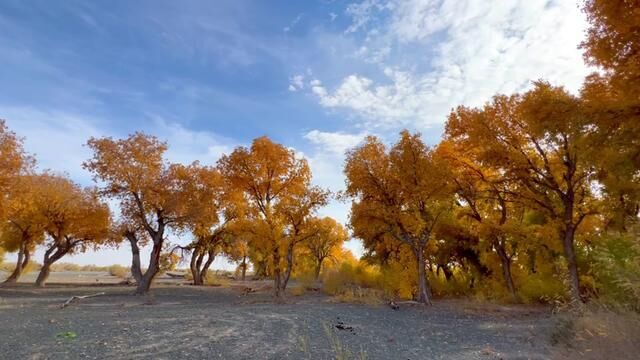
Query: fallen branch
x=73, y=298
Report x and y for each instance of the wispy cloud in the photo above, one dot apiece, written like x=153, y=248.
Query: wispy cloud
x=293, y=23
x=475, y=49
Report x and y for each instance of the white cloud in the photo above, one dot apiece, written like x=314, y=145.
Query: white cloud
x=296, y=82
x=335, y=142
x=435, y=55
x=333, y=16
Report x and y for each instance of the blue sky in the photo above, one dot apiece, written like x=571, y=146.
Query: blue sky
x=315, y=75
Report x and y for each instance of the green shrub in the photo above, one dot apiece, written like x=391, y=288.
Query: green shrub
x=617, y=269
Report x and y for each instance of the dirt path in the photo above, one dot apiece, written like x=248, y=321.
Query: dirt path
x=179, y=322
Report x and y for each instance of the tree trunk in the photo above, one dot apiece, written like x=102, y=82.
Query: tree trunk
x=276, y=273
x=289, y=267
x=136, y=270
x=424, y=293
x=44, y=274
x=205, y=267
x=154, y=267
x=244, y=267
x=572, y=264
x=23, y=260
x=52, y=255
x=194, y=265
x=506, y=269
x=318, y=268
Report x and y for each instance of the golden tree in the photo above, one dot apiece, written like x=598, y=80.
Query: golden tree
x=270, y=175
x=539, y=139
x=151, y=193
x=486, y=199
x=399, y=196
x=298, y=211
x=76, y=220
x=327, y=240
x=612, y=96
x=215, y=208
x=13, y=161
x=24, y=225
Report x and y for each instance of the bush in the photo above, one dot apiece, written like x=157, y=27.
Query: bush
x=617, y=270
x=542, y=288
x=119, y=271
x=354, y=282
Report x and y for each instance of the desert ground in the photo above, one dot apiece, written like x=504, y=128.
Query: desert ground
x=179, y=321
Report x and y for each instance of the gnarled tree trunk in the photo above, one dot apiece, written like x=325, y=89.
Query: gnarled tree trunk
x=199, y=266
x=24, y=255
x=53, y=254
x=154, y=268
x=505, y=262
x=572, y=264
x=136, y=270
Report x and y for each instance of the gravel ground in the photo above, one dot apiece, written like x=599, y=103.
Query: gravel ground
x=180, y=322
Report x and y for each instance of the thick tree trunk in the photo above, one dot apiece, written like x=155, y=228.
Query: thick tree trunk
x=23, y=260
x=572, y=264
x=194, y=265
x=154, y=268
x=136, y=270
x=205, y=267
x=44, y=274
x=506, y=269
x=52, y=255
x=199, y=267
x=424, y=293
x=318, y=268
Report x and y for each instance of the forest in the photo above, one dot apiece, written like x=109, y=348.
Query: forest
x=532, y=198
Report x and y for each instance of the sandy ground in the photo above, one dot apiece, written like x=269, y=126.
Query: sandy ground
x=81, y=277
x=179, y=322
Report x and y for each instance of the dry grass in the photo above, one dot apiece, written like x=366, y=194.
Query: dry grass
x=119, y=271
x=598, y=334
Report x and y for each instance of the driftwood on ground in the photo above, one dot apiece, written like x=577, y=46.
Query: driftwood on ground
x=74, y=298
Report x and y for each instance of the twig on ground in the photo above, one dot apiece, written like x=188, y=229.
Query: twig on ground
x=73, y=298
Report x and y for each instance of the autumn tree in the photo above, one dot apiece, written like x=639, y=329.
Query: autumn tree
x=150, y=191
x=13, y=161
x=76, y=220
x=24, y=225
x=486, y=199
x=540, y=139
x=298, y=211
x=270, y=175
x=399, y=195
x=326, y=240
x=612, y=98
x=238, y=252
x=215, y=207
